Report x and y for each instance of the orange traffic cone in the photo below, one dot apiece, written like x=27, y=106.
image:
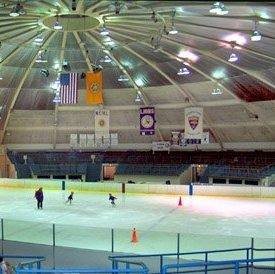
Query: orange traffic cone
x=134, y=236
x=180, y=204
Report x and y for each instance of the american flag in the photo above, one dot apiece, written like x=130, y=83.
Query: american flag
x=69, y=88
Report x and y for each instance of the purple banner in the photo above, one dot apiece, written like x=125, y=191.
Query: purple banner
x=147, y=120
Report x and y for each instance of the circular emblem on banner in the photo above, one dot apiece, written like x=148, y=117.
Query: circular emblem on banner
x=147, y=121
x=94, y=88
x=101, y=123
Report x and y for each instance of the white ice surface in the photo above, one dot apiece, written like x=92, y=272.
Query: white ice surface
x=156, y=218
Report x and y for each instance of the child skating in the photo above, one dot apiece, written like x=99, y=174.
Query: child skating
x=112, y=199
x=70, y=198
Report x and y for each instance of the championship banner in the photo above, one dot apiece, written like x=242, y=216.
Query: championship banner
x=102, y=123
x=147, y=120
x=94, y=88
x=193, y=123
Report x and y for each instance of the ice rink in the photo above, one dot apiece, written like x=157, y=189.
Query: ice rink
x=202, y=222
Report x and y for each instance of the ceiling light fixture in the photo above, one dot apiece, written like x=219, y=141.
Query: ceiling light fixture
x=57, y=99
x=45, y=72
x=154, y=18
x=38, y=39
x=104, y=31
x=173, y=28
x=138, y=99
x=17, y=10
x=106, y=59
x=123, y=78
x=233, y=56
x=57, y=25
x=118, y=7
x=40, y=59
x=183, y=71
x=256, y=36
x=216, y=91
x=218, y=8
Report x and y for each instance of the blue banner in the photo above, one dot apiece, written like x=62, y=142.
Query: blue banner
x=147, y=120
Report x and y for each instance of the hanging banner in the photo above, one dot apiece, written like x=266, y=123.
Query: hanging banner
x=94, y=88
x=82, y=140
x=175, y=138
x=147, y=120
x=114, y=139
x=102, y=122
x=90, y=140
x=184, y=141
x=73, y=140
x=193, y=123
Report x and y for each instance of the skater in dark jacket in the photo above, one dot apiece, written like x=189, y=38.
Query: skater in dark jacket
x=70, y=198
x=112, y=199
x=39, y=197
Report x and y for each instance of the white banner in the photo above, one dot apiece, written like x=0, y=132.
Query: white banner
x=102, y=122
x=161, y=146
x=82, y=140
x=193, y=123
x=205, y=138
x=90, y=140
x=114, y=139
x=73, y=140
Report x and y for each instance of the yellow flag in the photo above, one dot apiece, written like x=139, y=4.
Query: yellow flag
x=94, y=88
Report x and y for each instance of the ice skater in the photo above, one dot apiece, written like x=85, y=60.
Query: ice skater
x=39, y=197
x=112, y=198
x=70, y=198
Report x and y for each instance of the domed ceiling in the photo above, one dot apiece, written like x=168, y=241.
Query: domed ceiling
x=171, y=54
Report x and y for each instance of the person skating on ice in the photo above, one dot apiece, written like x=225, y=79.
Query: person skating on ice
x=112, y=199
x=70, y=198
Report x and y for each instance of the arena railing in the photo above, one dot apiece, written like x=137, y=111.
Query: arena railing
x=77, y=271
x=247, y=261
x=237, y=265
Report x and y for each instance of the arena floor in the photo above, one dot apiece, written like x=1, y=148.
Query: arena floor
x=200, y=223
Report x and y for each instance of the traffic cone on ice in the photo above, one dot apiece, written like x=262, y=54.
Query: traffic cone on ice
x=134, y=236
x=180, y=204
